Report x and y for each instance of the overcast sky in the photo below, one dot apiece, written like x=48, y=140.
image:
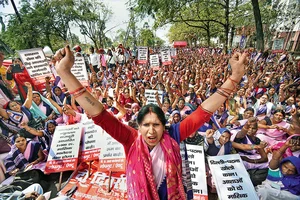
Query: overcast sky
x=120, y=18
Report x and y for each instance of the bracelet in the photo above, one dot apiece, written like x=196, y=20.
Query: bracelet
x=220, y=92
x=77, y=90
x=79, y=93
x=233, y=80
x=252, y=146
x=226, y=91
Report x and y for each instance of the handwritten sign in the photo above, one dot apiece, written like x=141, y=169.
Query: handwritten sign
x=91, y=142
x=150, y=95
x=64, y=150
x=142, y=55
x=198, y=174
x=79, y=70
x=166, y=56
x=112, y=155
x=95, y=186
x=35, y=62
x=231, y=178
x=154, y=61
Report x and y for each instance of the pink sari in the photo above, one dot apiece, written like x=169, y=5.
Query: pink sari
x=141, y=171
x=272, y=136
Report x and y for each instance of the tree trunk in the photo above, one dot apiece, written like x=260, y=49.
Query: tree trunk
x=258, y=25
x=2, y=25
x=208, y=37
x=231, y=36
x=226, y=27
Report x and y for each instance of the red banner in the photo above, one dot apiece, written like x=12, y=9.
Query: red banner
x=94, y=185
x=114, y=164
x=89, y=155
x=67, y=164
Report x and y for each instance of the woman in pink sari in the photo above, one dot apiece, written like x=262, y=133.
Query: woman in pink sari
x=274, y=129
x=153, y=167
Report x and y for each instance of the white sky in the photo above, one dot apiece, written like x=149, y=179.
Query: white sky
x=120, y=18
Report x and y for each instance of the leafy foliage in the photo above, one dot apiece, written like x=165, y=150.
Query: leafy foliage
x=49, y=23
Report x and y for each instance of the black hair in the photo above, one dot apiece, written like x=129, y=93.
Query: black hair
x=13, y=101
x=20, y=134
x=279, y=110
x=133, y=124
x=151, y=108
x=249, y=109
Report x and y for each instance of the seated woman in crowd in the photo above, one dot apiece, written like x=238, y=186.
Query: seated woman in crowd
x=255, y=161
x=221, y=116
x=263, y=107
x=248, y=136
x=274, y=98
x=241, y=119
x=44, y=107
x=179, y=104
x=274, y=129
x=45, y=136
x=283, y=178
x=14, y=113
x=58, y=95
x=23, y=155
x=70, y=116
x=218, y=143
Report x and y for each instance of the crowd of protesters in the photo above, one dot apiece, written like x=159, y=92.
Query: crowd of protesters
x=259, y=118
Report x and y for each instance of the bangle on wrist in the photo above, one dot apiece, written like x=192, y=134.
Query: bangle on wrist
x=252, y=146
x=77, y=90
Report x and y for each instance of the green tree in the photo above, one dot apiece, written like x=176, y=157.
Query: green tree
x=199, y=14
x=146, y=38
x=91, y=16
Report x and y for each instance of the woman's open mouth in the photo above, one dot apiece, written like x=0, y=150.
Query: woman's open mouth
x=152, y=139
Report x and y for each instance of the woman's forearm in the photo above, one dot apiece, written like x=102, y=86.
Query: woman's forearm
x=91, y=105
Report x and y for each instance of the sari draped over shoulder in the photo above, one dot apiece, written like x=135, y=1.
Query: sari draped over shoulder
x=16, y=159
x=17, y=117
x=58, y=99
x=252, y=154
x=272, y=136
x=142, y=165
x=216, y=149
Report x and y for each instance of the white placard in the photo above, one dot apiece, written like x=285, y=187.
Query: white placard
x=91, y=141
x=197, y=169
x=278, y=44
x=79, y=70
x=35, y=62
x=63, y=155
x=150, y=95
x=231, y=178
x=154, y=60
x=142, y=55
x=166, y=56
x=173, y=53
x=112, y=156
